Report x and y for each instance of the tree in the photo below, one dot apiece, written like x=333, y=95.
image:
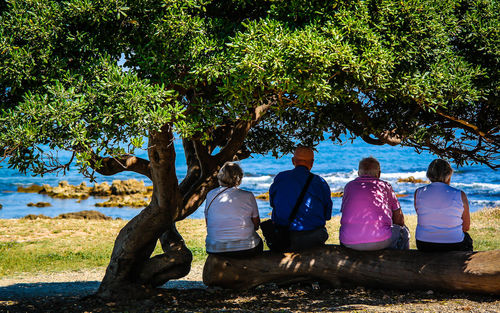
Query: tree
x=232, y=78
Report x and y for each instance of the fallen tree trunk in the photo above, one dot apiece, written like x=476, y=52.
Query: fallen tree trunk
x=477, y=272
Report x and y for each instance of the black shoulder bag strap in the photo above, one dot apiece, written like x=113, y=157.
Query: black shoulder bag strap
x=295, y=209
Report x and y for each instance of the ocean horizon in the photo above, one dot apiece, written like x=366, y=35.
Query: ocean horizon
x=336, y=163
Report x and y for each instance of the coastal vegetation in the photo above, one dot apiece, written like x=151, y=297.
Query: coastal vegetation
x=234, y=78
x=51, y=245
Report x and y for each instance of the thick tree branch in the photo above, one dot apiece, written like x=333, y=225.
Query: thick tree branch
x=193, y=166
x=110, y=166
x=390, y=138
x=385, y=137
x=195, y=195
x=468, y=125
x=372, y=141
x=240, y=132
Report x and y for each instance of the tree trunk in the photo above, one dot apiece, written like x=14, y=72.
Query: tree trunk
x=131, y=270
x=477, y=272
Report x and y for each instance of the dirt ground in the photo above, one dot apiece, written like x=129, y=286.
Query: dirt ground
x=69, y=292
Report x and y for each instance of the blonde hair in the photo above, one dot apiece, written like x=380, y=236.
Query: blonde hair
x=439, y=170
x=369, y=167
x=230, y=175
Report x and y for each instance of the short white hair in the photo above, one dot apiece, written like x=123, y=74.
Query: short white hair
x=369, y=167
x=230, y=175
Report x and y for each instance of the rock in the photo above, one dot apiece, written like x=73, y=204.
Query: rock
x=413, y=180
x=39, y=204
x=264, y=196
x=135, y=201
x=128, y=187
x=337, y=194
x=30, y=189
x=87, y=215
x=101, y=190
x=35, y=217
x=132, y=193
x=66, y=191
x=1, y=206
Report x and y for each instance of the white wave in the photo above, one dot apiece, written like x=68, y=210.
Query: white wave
x=344, y=177
x=486, y=203
x=257, y=179
x=395, y=176
x=262, y=186
x=478, y=186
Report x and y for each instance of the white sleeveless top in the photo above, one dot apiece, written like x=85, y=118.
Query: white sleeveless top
x=229, y=220
x=439, y=210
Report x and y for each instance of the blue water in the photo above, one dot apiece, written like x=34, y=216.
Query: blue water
x=337, y=164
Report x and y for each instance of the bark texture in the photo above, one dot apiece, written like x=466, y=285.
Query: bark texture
x=477, y=272
x=132, y=272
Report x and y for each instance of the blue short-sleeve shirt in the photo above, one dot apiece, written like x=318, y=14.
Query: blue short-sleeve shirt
x=316, y=207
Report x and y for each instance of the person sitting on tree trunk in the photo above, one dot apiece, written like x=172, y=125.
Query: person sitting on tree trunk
x=442, y=211
x=232, y=216
x=371, y=214
x=307, y=226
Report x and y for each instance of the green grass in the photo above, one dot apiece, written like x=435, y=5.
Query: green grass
x=46, y=256
x=28, y=246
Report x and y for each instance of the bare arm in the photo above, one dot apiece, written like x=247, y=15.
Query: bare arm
x=466, y=214
x=415, y=201
x=256, y=222
x=398, y=217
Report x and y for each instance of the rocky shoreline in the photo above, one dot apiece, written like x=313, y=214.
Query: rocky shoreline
x=85, y=215
x=121, y=193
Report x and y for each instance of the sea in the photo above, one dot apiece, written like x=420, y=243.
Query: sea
x=336, y=163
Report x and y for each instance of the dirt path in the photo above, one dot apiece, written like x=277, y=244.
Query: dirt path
x=76, y=283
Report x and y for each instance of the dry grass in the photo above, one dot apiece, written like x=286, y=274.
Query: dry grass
x=28, y=246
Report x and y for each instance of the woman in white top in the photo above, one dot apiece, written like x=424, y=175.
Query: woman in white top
x=232, y=216
x=443, y=212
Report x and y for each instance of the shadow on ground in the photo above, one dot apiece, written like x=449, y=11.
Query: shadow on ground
x=25, y=291
x=35, y=290
x=302, y=298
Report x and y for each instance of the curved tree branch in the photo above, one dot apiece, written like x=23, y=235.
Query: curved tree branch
x=193, y=166
x=372, y=141
x=195, y=195
x=110, y=166
x=468, y=125
x=390, y=138
x=241, y=130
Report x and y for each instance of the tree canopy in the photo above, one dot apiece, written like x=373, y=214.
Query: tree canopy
x=417, y=73
x=234, y=78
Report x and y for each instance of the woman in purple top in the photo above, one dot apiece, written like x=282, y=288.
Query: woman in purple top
x=442, y=211
x=371, y=214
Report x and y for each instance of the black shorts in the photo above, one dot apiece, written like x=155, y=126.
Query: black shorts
x=465, y=245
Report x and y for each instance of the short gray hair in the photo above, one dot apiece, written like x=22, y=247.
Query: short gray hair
x=369, y=167
x=230, y=175
x=439, y=170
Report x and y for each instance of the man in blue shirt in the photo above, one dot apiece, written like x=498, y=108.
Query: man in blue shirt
x=307, y=230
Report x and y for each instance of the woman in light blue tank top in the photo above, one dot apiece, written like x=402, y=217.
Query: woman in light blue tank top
x=443, y=212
